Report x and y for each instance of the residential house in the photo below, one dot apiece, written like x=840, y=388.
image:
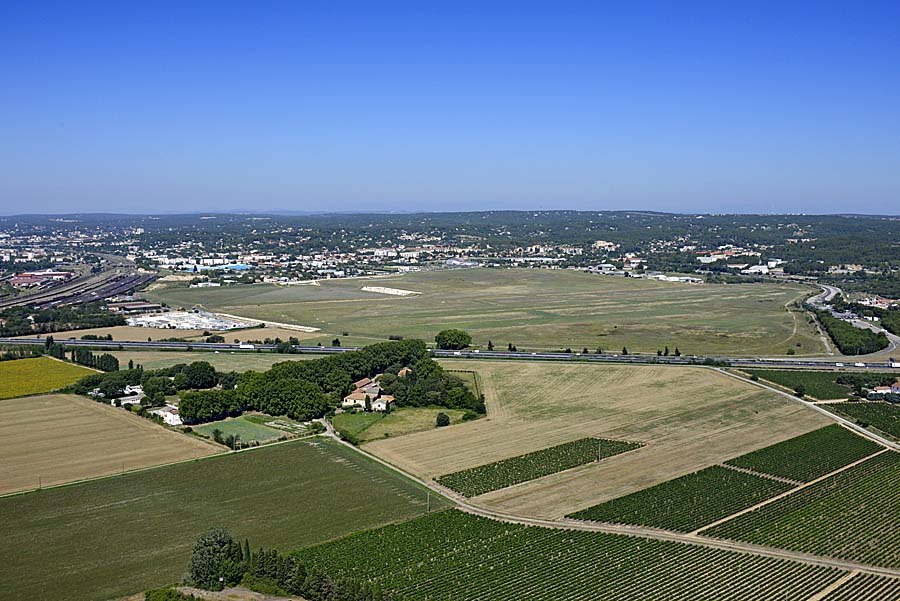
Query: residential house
x=169, y=414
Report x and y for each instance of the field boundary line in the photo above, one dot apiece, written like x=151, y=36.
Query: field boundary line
x=761, y=474
x=223, y=453
x=789, y=492
x=634, y=531
x=837, y=418
x=834, y=586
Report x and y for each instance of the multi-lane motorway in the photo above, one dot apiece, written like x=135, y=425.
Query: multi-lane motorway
x=466, y=354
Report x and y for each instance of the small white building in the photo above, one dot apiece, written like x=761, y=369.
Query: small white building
x=169, y=414
x=382, y=403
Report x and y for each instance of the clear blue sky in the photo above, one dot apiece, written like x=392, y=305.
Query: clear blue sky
x=193, y=106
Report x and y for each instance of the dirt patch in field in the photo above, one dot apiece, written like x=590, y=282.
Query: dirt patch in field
x=689, y=418
x=54, y=439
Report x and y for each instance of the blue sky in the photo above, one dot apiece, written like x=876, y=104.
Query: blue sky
x=384, y=106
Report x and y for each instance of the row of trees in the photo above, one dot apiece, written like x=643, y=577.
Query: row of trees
x=19, y=321
x=849, y=339
x=104, y=362
x=217, y=560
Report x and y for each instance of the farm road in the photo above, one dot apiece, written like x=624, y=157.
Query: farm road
x=639, y=531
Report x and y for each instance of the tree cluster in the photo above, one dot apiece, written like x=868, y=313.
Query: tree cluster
x=104, y=362
x=23, y=320
x=452, y=339
x=428, y=385
x=217, y=560
x=849, y=339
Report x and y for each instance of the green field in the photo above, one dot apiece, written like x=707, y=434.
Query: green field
x=687, y=503
x=820, y=385
x=880, y=415
x=225, y=361
x=400, y=421
x=246, y=430
x=515, y=470
x=456, y=556
x=117, y=536
x=852, y=515
x=863, y=587
x=22, y=377
x=534, y=309
x=809, y=456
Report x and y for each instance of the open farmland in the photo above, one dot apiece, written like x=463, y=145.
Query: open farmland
x=117, y=536
x=540, y=309
x=54, y=439
x=864, y=587
x=688, y=417
x=821, y=385
x=224, y=361
x=400, y=421
x=247, y=431
x=877, y=414
x=453, y=555
x=21, y=377
x=853, y=515
x=515, y=470
x=809, y=456
x=689, y=502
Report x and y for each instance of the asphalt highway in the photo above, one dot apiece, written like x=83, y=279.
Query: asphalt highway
x=466, y=354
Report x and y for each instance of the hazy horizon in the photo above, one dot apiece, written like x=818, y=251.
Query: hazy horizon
x=210, y=107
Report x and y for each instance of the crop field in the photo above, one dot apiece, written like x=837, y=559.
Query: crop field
x=456, y=556
x=117, y=536
x=853, y=515
x=689, y=418
x=246, y=430
x=810, y=456
x=687, y=503
x=225, y=361
x=515, y=470
x=880, y=415
x=534, y=309
x=820, y=385
x=54, y=439
x=402, y=420
x=864, y=587
x=22, y=377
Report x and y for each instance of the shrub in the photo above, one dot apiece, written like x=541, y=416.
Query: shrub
x=442, y=420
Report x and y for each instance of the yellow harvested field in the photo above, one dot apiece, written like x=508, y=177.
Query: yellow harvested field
x=54, y=439
x=126, y=333
x=688, y=417
x=36, y=375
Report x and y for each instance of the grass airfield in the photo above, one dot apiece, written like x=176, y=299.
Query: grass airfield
x=534, y=309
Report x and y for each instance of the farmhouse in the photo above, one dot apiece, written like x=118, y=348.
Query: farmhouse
x=368, y=389
x=169, y=414
x=382, y=403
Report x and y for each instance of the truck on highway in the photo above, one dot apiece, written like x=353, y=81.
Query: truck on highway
x=246, y=347
x=859, y=364
x=894, y=362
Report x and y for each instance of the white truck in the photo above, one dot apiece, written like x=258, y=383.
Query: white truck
x=246, y=346
x=894, y=362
